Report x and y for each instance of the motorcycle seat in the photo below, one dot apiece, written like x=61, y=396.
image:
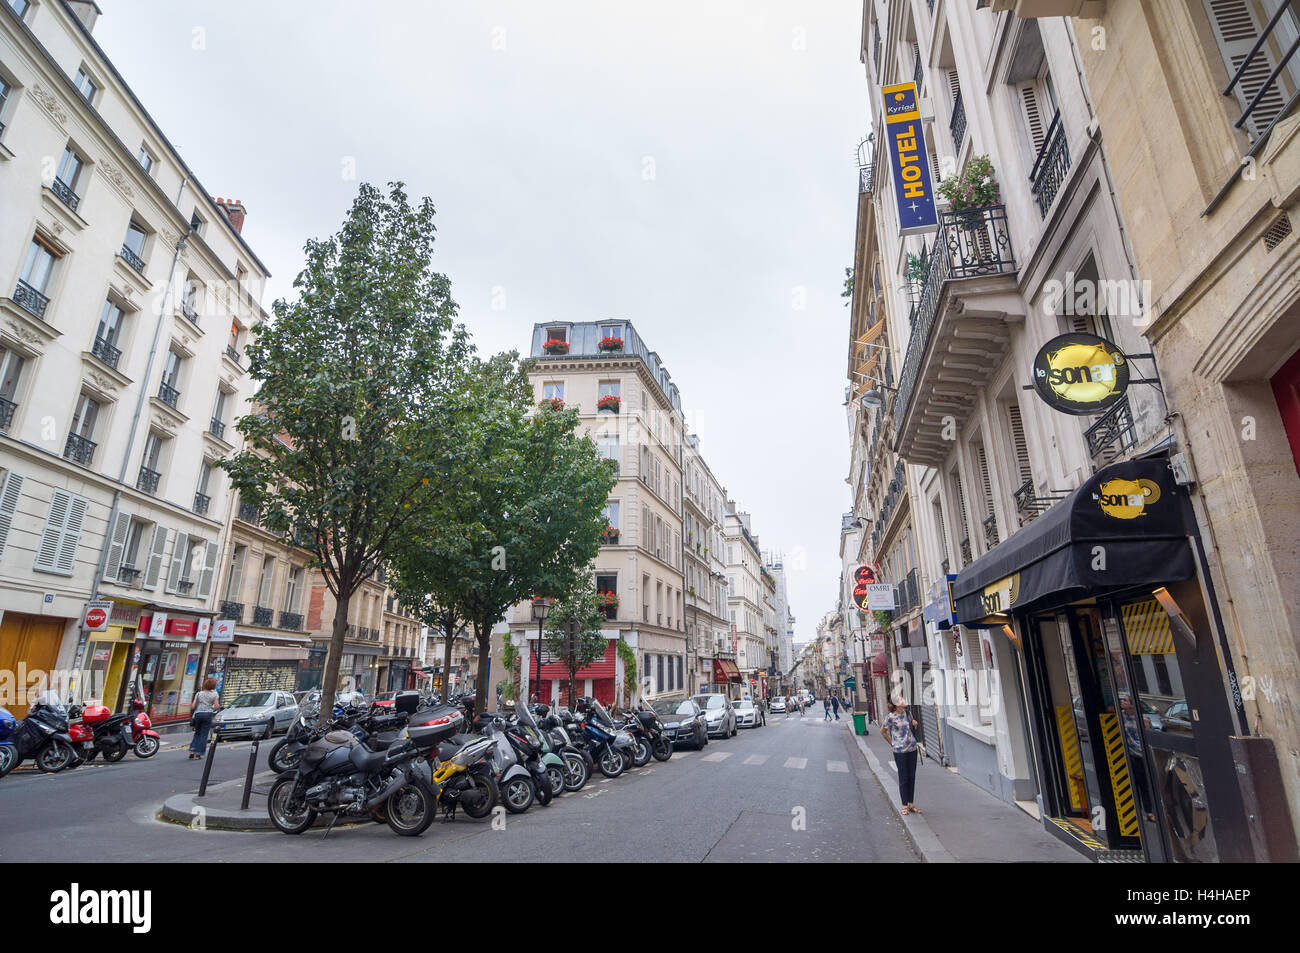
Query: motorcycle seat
x=381, y=742
x=365, y=760
x=447, y=750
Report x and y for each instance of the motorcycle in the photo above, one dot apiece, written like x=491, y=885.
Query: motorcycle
x=463, y=772
x=144, y=739
x=43, y=737
x=653, y=731
x=547, y=767
x=607, y=742
x=578, y=763
x=638, y=755
x=514, y=781
x=8, y=750
x=98, y=731
x=342, y=776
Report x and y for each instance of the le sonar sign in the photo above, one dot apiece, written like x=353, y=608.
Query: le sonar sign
x=913, y=189
x=1080, y=374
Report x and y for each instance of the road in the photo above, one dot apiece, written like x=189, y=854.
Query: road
x=796, y=790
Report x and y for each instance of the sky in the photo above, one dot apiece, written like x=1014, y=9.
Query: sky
x=686, y=166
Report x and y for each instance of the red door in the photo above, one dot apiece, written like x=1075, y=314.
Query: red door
x=1286, y=388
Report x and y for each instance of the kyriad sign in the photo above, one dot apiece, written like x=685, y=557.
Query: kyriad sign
x=913, y=188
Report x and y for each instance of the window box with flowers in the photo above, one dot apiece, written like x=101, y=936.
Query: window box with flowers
x=552, y=403
x=609, y=402
x=610, y=535
x=610, y=344
x=974, y=187
x=556, y=346
x=607, y=602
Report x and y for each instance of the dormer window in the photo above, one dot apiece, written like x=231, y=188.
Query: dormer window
x=557, y=334
x=85, y=85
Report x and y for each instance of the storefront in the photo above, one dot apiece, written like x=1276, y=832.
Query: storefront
x=594, y=681
x=106, y=664
x=168, y=661
x=398, y=675
x=1124, y=669
x=726, y=674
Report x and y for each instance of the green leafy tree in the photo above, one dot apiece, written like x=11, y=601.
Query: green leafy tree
x=580, y=607
x=847, y=293
x=357, y=378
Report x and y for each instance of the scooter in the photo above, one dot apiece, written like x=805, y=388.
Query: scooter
x=144, y=739
x=514, y=781
x=98, y=731
x=43, y=737
x=8, y=750
x=607, y=742
x=578, y=763
x=546, y=765
x=464, y=775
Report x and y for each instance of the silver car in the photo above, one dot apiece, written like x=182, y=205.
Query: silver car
x=719, y=716
x=252, y=712
x=748, y=714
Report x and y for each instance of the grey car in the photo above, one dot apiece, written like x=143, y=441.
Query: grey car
x=252, y=711
x=718, y=714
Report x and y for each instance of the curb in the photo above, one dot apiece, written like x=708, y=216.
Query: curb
x=186, y=808
x=919, y=833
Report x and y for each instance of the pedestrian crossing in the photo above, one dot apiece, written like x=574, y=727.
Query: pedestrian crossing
x=758, y=760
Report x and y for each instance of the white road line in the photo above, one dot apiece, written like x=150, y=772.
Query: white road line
x=756, y=759
x=798, y=763
x=841, y=766
x=717, y=756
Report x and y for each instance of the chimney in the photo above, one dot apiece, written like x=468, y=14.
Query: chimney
x=87, y=11
x=235, y=211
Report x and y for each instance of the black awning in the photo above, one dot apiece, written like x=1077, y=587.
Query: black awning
x=1124, y=527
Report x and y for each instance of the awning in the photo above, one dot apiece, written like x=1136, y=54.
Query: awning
x=879, y=665
x=724, y=670
x=1123, y=528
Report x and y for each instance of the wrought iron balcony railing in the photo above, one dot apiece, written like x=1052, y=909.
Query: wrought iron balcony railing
x=233, y=354
x=969, y=243
x=967, y=557
x=127, y=575
x=106, y=352
x=7, y=409
x=64, y=191
x=918, y=74
x=263, y=616
x=148, y=480
x=31, y=300
x=79, y=450
x=189, y=311
x=232, y=610
x=217, y=428
x=1113, y=432
x=201, y=503
x=1050, y=167
x=291, y=621
x=1029, y=505
x=957, y=125
x=168, y=395
x=991, y=530
x=249, y=514
x=132, y=259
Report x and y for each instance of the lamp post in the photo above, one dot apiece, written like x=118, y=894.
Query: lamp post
x=541, y=609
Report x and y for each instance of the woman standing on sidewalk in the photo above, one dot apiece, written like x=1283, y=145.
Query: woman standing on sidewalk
x=896, y=729
x=205, y=707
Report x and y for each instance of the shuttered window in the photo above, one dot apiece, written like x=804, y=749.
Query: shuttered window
x=154, y=570
x=236, y=576
x=943, y=530
x=209, y=573
x=1031, y=111
x=1019, y=444
x=117, y=546
x=1237, y=25
x=955, y=476
x=982, y=459
x=10, y=491
x=58, y=549
x=180, y=552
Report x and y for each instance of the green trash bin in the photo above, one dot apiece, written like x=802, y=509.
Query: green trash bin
x=860, y=722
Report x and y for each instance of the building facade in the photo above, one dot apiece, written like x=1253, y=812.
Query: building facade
x=707, y=627
x=745, y=591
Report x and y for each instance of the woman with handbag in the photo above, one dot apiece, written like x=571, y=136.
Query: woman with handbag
x=206, y=704
x=896, y=729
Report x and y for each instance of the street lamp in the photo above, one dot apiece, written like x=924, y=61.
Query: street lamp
x=541, y=609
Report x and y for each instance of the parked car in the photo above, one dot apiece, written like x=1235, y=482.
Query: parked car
x=1178, y=717
x=778, y=705
x=684, y=722
x=385, y=699
x=719, y=715
x=255, y=710
x=748, y=715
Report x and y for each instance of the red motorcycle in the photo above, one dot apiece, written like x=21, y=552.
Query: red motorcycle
x=143, y=736
x=97, y=731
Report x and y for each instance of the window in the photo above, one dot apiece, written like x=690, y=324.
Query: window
x=151, y=464
x=131, y=548
x=607, y=445
x=553, y=390
x=609, y=388
x=58, y=549
x=219, y=409
x=110, y=323
x=264, y=584
x=69, y=174
x=197, y=223
x=241, y=274
x=557, y=334
x=85, y=85
x=1237, y=26
x=293, y=590
x=83, y=419
x=611, y=513
x=135, y=238
x=20, y=7
x=236, y=575
x=4, y=100
x=38, y=266
x=611, y=331
x=659, y=673
x=145, y=159
x=203, y=495
x=11, y=369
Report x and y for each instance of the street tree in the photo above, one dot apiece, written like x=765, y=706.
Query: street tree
x=574, y=629
x=356, y=375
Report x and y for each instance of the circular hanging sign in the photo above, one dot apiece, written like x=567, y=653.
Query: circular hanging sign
x=1080, y=374
x=863, y=576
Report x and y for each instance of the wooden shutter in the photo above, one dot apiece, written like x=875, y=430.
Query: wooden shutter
x=943, y=530
x=58, y=549
x=177, y=572
x=1031, y=111
x=236, y=577
x=154, y=569
x=1236, y=29
x=116, y=546
x=954, y=85
x=209, y=570
x=961, y=506
x=10, y=492
x=982, y=458
x=1020, y=445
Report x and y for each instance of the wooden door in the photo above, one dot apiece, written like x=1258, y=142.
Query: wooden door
x=28, y=645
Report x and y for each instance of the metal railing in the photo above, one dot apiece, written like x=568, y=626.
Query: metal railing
x=201, y=503
x=188, y=310
x=79, y=450
x=957, y=125
x=126, y=575
x=132, y=259
x=168, y=395
x=217, y=428
x=232, y=610
x=106, y=352
x=249, y=514
x=1030, y=505
x=991, y=530
x=918, y=74
x=148, y=480
x=1050, y=167
x=263, y=616
x=7, y=409
x=31, y=300
x=291, y=621
x=1115, y=426
x=969, y=243
x=64, y=191
x=967, y=557
x=233, y=354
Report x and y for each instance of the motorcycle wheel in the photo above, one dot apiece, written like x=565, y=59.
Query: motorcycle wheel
x=410, y=810
x=518, y=795
x=576, y=773
x=662, y=749
x=54, y=757
x=286, y=819
x=489, y=786
x=626, y=755
x=542, y=787
x=146, y=747
x=116, y=755
x=611, y=763
x=8, y=759
x=640, y=752
x=280, y=760
x=557, y=777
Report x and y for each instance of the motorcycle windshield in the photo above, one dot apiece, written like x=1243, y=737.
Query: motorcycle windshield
x=600, y=714
x=525, y=717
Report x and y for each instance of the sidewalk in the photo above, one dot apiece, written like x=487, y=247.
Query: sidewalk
x=962, y=822
x=219, y=808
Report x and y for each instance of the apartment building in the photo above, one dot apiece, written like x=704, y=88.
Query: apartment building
x=783, y=619
x=745, y=587
x=364, y=649
x=708, y=649
x=128, y=296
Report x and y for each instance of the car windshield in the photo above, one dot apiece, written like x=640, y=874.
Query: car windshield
x=744, y=703
x=252, y=700
x=710, y=702
x=673, y=707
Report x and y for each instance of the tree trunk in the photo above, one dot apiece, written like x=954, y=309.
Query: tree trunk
x=449, y=627
x=483, y=635
x=332, y=660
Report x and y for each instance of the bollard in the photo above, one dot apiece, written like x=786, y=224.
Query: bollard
x=248, y=779
x=207, y=765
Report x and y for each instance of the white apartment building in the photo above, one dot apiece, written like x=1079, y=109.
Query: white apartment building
x=707, y=627
x=127, y=297
x=745, y=597
x=784, y=621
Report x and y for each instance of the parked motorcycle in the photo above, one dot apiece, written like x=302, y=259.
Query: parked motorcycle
x=638, y=755
x=43, y=737
x=98, y=731
x=8, y=750
x=578, y=763
x=465, y=777
x=547, y=767
x=514, y=781
x=144, y=739
x=661, y=749
x=606, y=741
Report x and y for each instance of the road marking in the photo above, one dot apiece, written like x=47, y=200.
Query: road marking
x=756, y=759
x=717, y=756
x=842, y=766
x=798, y=763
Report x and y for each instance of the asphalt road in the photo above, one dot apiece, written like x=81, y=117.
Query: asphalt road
x=796, y=790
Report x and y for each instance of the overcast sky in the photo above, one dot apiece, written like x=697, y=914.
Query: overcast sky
x=686, y=166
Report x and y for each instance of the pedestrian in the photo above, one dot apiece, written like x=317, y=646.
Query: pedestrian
x=826, y=706
x=897, y=732
x=835, y=704
x=206, y=704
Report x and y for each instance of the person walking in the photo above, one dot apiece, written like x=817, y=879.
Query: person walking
x=826, y=706
x=835, y=704
x=206, y=704
x=896, y=729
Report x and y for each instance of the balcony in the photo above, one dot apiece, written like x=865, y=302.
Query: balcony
x=64, y=191
x=967, y=557
x=31, y=300
x=217, y=429
x=291, y=621
x=263, y=616
x=168, y=395
x=148, y=480
x=190, y=312
x=1112, y=435
x=918, y=74
x=106, y=352
x=249, y=514
x=957, y=125
x=961, y=328
x=1050, y=167
x=79, y=450
x=1029, y=505
x=234, y=355
x=132, y=259
x=991, y=538
x=127, y=575
x=232, y=610
x=7, y=409
x=201, y=504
